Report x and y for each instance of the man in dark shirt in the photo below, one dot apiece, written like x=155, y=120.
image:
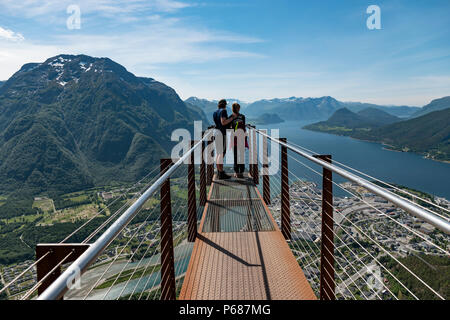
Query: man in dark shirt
x=222, y=124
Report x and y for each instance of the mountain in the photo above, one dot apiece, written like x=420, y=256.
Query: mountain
x=295, y=108
x=378, y=117
x=435, y=105
x=266, y=118
x=318, y=108
x=345, y=122
x=428, y=134
x=398, y=111
x=207, y=106
x=210, y=106
x=1, y=83
x=74, y=122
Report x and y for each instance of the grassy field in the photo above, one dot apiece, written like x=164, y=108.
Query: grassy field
x=82, y=212
x=45, y=205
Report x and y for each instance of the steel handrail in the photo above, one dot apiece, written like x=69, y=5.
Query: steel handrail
x=60, y=286
x=408, y=206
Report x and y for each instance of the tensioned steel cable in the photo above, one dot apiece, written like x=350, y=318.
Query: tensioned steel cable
x=23, y=272
x=154, y=281
x=175, y=238
x=387, y=252
x=109, y=205
x=123, y=248
x=137, y=267
x=121, y=209
x=70, y=235
x=129, y=241
x=118, y=276
x=316, y=264
x=57, y=288
x=38, y=284
x=361, y=247
x=387, y=184
x=355, y=239
x=406, y=204
x=120, y=253
x=381, y=212
x=313, y=260
x=344, y=270
x=359, y=261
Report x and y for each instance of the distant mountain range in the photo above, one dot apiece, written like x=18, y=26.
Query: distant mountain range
x=210, y=106
x=1, y=83
x=428, y=134
x=266, y=118
x=73, y=122
x=435, y=105
x=304, y=108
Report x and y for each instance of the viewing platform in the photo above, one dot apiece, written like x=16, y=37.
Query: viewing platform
x=239, y=252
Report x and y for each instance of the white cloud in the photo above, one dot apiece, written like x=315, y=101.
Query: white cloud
x=160, y=41
x=10, y=35
x=39, y=8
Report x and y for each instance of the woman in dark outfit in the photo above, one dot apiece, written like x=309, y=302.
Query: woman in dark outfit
x=238, y=123
x=222, y=124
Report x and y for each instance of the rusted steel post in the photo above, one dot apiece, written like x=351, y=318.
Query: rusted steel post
x=167, y=255
x=327, y=283
x=202, y=176
x=285, y=200
x=192, y=201
x=54, y=254
x=210, y=170
x=255, y=159
x=266, y=179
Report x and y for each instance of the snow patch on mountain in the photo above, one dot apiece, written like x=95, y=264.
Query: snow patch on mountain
x=83, y=66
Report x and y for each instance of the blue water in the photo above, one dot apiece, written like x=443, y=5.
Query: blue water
x=403, y=168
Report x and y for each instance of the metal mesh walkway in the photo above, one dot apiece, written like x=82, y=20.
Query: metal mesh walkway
x=239, y=253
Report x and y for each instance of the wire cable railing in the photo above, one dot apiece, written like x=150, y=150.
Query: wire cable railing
x=134, y=270
x=60, y=285
x=381, y=214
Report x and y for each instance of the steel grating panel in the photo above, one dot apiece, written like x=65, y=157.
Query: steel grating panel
x=234, y=189
x=236, y=216
x=244, y=266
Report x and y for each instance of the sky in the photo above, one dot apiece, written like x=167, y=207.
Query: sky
x=247, y=49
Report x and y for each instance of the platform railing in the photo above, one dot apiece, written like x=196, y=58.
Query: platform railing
x=335, y=275
x=59, y=286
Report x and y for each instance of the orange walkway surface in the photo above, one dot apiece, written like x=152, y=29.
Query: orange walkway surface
x=253, y=264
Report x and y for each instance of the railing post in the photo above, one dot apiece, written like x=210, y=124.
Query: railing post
x=167, y=255
x=210, y=170
x=285, y=201
x=192, y=201
x=210, y=167
x=202, y=176
x=266, y=179
x=327, y=283
x=255, y=168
